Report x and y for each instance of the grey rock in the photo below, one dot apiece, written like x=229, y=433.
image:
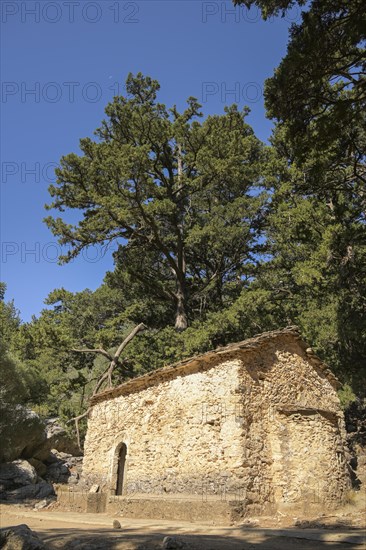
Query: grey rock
x=17, y=474
x=62, y=456
x=57, y=472
x=172, y=543
x=68, y=459
x=63, y=468
x=20, y=537
x=56, y=438
x=21, y=438
x=116, y=524
x=38, y=491
x=52, y=457
x=73, y=479
x=42, y=504
x=39, y=466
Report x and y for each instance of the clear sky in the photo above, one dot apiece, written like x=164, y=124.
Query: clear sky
x=62, y=61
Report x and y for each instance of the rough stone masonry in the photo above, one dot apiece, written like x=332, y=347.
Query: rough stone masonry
x=258, y=421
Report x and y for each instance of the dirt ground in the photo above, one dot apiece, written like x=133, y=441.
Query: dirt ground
x=70, y=530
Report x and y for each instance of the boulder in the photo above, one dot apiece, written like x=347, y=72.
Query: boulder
x=56, y=438
x=17, y=474
x=20, y=537
x=63, y=468
x=40, y=468
x=116, y=524
x=21, y=438
x=52, y=457
x=42, y=504
x=39, y=490
x=57, y=472
x=173, y=543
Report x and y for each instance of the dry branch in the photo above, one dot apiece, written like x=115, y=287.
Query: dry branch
x=107, y=374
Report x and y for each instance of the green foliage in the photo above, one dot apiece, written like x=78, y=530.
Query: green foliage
x=317, y=94
x=18, y=383
x=346, y=396
x=39, y=368
x=180, y=196
x=317, y=265
x=216, y=232
x=271, y=7
x=9, y=319
x=13, y=387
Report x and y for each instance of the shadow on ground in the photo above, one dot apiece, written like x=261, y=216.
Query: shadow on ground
x=237, y=538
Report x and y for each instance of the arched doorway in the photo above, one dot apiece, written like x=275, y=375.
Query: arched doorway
x=121, y=468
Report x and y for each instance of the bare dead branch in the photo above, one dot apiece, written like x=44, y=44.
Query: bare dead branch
x=76, y=420
x=107, y=374
x=127, y=340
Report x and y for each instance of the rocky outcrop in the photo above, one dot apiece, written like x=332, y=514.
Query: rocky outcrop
x=39, y=490
x=63, y=467
x=56, y=438
x=19, y=480
x=20, y=537
x=33, y=437
x=17, y=474
x=39, y=466
x=29, y=434
x=47, y=462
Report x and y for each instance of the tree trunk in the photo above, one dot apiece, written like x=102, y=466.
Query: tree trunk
x=181, y=319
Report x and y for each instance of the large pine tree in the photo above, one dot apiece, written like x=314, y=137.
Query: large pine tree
x=181, y=197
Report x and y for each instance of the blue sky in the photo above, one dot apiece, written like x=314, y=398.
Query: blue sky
x=61, y=64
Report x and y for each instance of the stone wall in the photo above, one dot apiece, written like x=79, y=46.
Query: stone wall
x=261, y=426
x=294, y=436
x=182, y=436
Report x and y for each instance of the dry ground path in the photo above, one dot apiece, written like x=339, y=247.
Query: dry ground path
x=68, y=530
